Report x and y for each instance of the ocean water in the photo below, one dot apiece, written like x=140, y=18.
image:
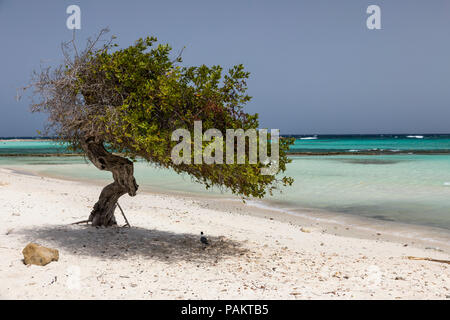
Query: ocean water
x=352, y=144
x=372, y=143
x=412, y=187
x=14, y=146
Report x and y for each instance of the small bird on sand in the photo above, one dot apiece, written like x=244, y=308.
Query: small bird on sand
x=203, y=239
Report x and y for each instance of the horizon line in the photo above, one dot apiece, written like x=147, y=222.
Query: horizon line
x=286, y=134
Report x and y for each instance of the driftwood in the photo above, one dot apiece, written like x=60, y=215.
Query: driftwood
x=429, y=259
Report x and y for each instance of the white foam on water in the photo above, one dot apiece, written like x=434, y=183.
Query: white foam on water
x=308, y=138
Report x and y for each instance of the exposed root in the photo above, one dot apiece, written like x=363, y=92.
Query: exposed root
x=80, y=222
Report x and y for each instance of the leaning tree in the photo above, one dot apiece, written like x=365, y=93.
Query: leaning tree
x=118, y=105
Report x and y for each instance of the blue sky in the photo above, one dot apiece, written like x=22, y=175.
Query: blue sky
x=315, y=67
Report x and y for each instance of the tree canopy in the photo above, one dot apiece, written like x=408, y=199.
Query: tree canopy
x=132, y=99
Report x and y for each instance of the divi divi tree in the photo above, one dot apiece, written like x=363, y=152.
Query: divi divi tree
x=119, y=105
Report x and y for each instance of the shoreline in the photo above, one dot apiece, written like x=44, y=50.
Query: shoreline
x=340, y=224
x=254, y=254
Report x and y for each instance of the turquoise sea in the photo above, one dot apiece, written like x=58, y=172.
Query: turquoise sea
x=403, y=178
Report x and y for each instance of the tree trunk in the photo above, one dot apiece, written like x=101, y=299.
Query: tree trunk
x=124, y=182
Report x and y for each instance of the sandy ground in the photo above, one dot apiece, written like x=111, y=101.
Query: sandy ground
x=161, y=257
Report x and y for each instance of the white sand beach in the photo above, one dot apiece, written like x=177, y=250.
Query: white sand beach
x=252, y=255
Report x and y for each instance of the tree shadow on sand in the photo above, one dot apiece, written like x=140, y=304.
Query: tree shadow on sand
x=123, y=243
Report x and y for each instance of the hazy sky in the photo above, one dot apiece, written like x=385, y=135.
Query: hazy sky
x=315, y=67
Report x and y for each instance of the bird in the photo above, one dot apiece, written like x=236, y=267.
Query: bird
x=203, y=239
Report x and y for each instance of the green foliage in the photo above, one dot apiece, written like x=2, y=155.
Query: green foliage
x=140, y=96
